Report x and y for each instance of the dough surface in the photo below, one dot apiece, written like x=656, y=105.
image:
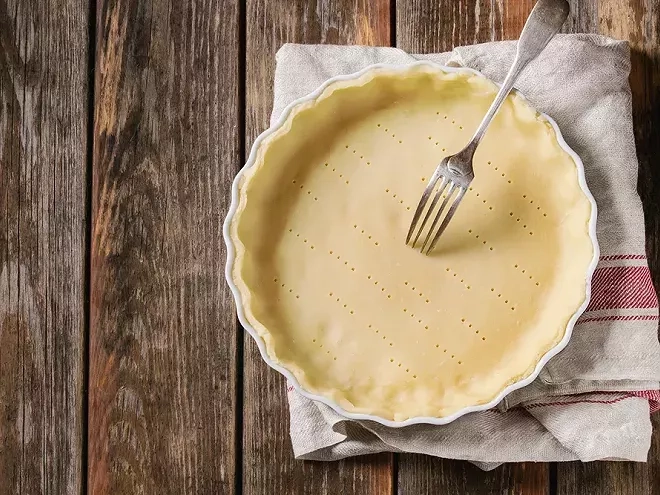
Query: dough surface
x=356, y=315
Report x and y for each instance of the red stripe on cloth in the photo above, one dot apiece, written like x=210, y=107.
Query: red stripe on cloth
x=622, y=287
x=582, y=401
x=619, y=318
x=613, y=257
x=653, y=396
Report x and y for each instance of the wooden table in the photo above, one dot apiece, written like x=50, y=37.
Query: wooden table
x=122, y=124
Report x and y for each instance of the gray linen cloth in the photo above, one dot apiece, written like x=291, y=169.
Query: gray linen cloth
x=592, y=401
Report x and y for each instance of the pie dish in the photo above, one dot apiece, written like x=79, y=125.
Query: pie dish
x=353, y=317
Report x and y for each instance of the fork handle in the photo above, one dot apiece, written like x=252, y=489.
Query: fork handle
x=545, y=20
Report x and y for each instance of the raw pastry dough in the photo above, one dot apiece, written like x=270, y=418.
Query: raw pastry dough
x=360, y=318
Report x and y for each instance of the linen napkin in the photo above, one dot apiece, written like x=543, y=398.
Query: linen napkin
x=592, y=401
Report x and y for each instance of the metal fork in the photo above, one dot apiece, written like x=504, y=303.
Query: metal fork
x=456, y=171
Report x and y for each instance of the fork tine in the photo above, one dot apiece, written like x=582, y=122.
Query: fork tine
x=422, y=204
x=445, y=222
x=450, y=191
x=437, y=196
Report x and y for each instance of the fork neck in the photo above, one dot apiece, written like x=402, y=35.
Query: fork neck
x=463, y=159
x=517, y=67
x=543, y=24
x=466, y=154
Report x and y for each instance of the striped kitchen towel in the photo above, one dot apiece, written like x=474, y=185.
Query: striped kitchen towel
x=593, y=400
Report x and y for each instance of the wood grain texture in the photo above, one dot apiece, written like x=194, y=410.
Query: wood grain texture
x=424, y=474
x=162, y=399
x=43, y=117
x=431, y=26
x=639, y=22
x=428, y=26
x=269, y=465
x=583, y=17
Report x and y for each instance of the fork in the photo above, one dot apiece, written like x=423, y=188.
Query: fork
x=456, y=171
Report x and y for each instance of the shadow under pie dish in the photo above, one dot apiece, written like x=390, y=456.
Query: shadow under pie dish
x=353, y=317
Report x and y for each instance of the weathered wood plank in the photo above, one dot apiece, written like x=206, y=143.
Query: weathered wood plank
x=428, y=26
x=425, y=474
x=269, y=466
x=162, y=399
x=431, y=26
x=43, y=118
x=639, y=22
x=583, y=17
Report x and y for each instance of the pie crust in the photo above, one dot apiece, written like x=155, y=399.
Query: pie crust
x=323, y=275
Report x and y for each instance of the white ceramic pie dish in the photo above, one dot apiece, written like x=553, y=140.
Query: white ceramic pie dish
x=231, y=253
